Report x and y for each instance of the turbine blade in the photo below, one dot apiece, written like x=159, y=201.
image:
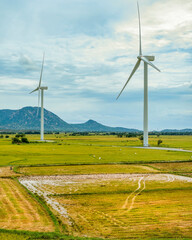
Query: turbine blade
x=150, y=63
x=36, y=89
x=140, y=50
x=41, y=70
x=133, y=71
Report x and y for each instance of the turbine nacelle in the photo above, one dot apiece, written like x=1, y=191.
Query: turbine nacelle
x=149, y=58
x=43, y=88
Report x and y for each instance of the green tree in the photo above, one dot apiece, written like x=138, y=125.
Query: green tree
x=159, y=142
x=16, y=140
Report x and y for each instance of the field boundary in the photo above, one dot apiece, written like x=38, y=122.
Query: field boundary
x=47, y=235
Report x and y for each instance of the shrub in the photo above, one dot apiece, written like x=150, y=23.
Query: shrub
x=16, y=140
x=141, y=138
x=159, y=142
x=19, y=138
x=24, y=140
x=20, y=135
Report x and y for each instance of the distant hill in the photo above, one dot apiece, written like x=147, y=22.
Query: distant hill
x=91, y=126
x=186, y=130
x=28, y=118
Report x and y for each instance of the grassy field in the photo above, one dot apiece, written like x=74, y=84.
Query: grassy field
x=18, y=210
x=7, y=172
x=122, y=209
x=155, y=215
x=89, y=150
x=107, y=208
x=85, y=169
x=26, y=235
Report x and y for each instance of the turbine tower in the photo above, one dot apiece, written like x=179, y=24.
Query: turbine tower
x=147, y=61
x=40, y=90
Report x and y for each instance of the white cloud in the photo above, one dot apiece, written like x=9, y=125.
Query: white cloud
x=85, y=64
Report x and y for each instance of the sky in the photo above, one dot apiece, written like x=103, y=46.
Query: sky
x=91, y=47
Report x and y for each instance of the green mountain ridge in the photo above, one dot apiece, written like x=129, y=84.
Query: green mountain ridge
x=28, y=118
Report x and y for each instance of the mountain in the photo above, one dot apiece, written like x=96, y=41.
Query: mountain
x=91, y=126
x=186, y=130
x=28, y=118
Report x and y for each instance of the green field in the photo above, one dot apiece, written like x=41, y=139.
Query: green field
x=90, y=150
x=107, y=208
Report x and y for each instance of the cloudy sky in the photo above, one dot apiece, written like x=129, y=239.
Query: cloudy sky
x=90, y=49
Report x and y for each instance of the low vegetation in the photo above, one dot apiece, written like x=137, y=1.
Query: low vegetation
x=20, y=211
x=91, y=150
x=122, y=206
x=97, y=205
x=85, y=169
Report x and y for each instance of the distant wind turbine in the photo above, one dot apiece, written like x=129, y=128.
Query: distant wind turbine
x=40, y=90
x=147, y=61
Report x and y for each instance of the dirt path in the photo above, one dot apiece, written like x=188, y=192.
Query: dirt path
x=131, y=198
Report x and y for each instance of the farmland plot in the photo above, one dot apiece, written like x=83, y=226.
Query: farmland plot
x=119, y=205
x=18, y=210
x=86, y=169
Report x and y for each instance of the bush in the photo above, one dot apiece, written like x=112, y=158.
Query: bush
x=20, y=135
x=159, y=142
x=24, y=140
x=7, y=136
x=141, y=138
x=1, y=136
x=16, y=140
x=19, y=138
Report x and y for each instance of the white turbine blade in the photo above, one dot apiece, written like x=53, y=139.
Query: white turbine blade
x=133, y=71
x=41, y=70
x=36, y=89
x=148, y=62
x=140, y=50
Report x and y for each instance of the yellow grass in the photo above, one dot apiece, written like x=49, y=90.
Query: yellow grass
x=154, y=214
x=7, y=172
x=18, y=210
x=86, y=169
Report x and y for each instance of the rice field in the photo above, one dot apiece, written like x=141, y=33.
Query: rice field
x=119, y=205
x=18, y=210
x=98, y=186
x=7, y=172
x=65, y=150
x=86, y=169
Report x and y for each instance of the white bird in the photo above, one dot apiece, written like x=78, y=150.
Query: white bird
x=40, y=90
x=147, y=61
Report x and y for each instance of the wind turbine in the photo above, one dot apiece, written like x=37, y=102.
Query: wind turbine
x=147, y=61
x=40, y=90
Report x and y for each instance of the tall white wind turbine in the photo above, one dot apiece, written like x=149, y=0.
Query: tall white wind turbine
x=147, y=61
x=40, y=90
